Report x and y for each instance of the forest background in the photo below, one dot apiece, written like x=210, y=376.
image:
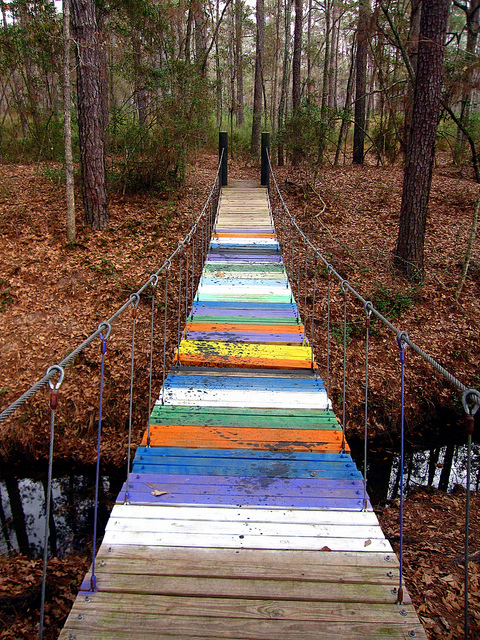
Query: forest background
x=138, y=90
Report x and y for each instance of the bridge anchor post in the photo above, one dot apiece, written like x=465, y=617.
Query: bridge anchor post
x=223, y=146
x=265, y=170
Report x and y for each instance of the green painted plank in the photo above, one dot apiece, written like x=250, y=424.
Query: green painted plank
x=235, y=417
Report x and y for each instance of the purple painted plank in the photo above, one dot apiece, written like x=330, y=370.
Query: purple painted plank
x=225, y=336
x=309, y=487
x=217, y=257
x=242, y=313
x=245, y=500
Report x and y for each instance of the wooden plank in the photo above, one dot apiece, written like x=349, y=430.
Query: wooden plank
x=246, y=417
x=256, y=355
x=270, y=564
x=258, y=609
x=205, y=628
x=243, y=472
x=250, y=516
x=351, y=534
x=200, y=325
x=244, y=438
x=343, y=460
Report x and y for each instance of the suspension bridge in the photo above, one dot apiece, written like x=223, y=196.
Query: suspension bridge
x=243, y=515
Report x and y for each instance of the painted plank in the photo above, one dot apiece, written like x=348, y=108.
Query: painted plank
x=264, y=515
x=256, y=355
x=237, y=327
x=226, y=336
x=245, y=438
x=312, y=384
x=245, y=540
x=241, y=416
x=333, y=459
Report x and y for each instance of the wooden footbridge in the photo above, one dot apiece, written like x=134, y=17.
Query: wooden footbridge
x=244, y=515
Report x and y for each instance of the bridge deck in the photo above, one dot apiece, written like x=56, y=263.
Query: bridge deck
x=242, y=517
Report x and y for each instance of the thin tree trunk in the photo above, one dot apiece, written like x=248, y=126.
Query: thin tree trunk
x=361, y=84
x=346, y=109
x=409, y=252
x=67, y=105
x=468, y=254
x=91, y=119
x=239, y=61
x=258, y=86
x=283, y=93
x=296, y=72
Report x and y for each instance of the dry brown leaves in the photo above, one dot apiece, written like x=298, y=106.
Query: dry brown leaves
x=434, y=560
x=53, y=296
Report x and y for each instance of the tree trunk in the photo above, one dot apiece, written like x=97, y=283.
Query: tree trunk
x=239, y=61
x=412, y=50
x=297, y=56
x=471, y=60
x=140, y=93
x=346, y=109
x=258, y=87
x=67, y=105
x=296, y=71
x=283, y=93
x=409, y=252
x=91, y=120
x=361, y=84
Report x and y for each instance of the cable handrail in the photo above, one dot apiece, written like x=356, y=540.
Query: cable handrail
x=131, y=302
x=472, y=393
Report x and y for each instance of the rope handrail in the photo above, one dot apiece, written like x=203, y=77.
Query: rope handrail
x=131, y=302
x=474, y=397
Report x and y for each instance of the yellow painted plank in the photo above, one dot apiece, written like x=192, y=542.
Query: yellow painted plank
x=239, y=354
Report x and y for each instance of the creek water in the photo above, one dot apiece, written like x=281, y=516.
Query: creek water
x=22, y=510
x=22, y=496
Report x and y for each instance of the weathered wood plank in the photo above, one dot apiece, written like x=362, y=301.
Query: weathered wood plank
x=271, y=563
x=251, y=355
x=244, y=438
x=266, y=418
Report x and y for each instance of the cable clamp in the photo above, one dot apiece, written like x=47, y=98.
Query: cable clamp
x=475, y=394
x=60, y=371
x=154, y=280
x=134, y=300
x=108, y=327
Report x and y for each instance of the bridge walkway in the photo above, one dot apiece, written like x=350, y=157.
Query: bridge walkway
x=243, y=516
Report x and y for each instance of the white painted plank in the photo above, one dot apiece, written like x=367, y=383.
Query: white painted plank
x=241, y=514
x=246, y=399
x=239, y=289
x=213, y=541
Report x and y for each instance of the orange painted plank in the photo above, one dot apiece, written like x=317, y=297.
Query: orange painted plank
x=205, y=437
x=247, y=328
x=216, y=360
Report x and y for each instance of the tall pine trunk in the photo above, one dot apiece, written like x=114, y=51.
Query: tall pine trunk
x=67, y=105
x=239, y=61
x=91, y=119
x=283, y=92
x=258, y=87
x=409, y=252
x=361, y=84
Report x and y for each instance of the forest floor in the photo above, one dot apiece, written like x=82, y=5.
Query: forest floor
x=52, y=296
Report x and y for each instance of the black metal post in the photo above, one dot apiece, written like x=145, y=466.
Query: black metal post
x=223, y=146
x=265, y=170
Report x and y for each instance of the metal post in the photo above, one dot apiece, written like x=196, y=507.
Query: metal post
x=223, y=146
x=265, y=170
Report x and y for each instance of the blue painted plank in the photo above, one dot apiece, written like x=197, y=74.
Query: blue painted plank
x=245, y=454
x=236, y=383
x=255, y=468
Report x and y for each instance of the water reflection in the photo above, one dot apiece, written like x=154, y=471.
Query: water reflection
x=442, y=467
x=22, y=512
